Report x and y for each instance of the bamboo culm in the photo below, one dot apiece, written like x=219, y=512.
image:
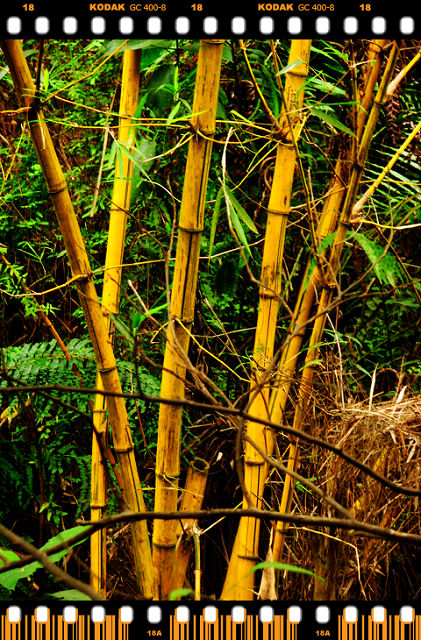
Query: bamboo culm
x=94, y=317
x=183, y=295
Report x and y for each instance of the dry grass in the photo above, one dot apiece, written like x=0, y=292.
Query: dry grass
x=385, y=435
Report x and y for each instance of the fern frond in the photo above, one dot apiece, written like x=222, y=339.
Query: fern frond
x=385, y=265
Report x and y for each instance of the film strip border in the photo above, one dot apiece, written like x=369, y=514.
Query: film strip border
x=173, y=621
x=158, y=19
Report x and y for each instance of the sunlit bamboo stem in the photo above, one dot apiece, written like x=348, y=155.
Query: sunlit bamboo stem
x=183, y=295
x=97, y=327
x=371, y=189
x=120, y=202
x=326, y=226
x=191, y=500
x=239, y=579
x=327, y=294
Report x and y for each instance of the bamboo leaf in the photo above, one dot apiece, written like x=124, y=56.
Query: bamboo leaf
x=326, y=87
x=282, y=566
x=111, y=158
x=122, y=328
x=119, y=159
x=137, y=44
x=9, y=579
x=241, y=117
x=330, y=119
x=289, y=67
x=68, y=534
x=214, y=221
x=238, y=228
x=173, y=112
x=141, y=155
x=145, y=150
x=70, y=594
x=138, y=318
x=240, y=211
x=180, y=593
x=311, y=363
x=386, y=267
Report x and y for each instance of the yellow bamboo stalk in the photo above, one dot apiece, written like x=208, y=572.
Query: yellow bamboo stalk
x=182, y=308
x=81, y=270
x=239, y=580
x=370, y=74
x=327, y=294
x=120, y=203
x=191, y=500
x=305, y=299
x=371, y=189
x=326, y=226
x=403, y=73
x=197, y=569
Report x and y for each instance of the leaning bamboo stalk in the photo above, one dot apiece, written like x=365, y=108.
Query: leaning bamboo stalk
x=327, y=294
x=327, y=223
x=304, y=304
x=239, y=580
x=97, y=328
x=120, y=203
x=191, y=500
x=326, y=226
x=371, y=189
x=182, y=307
x=370, y=74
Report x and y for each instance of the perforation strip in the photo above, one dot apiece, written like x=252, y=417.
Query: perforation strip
x=195, y=621
x=161, y=23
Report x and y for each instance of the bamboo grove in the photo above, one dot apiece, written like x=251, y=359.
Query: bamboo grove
x=286, y=341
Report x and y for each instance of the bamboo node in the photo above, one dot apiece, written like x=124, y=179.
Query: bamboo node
x=381, y=101
x=52, y=191
x=107, y=370
x=277, y=212
x=346, y=222
x=183, y=322
x=127, y=449
x=255, y=463
x=172, y=545
x=187, y=230
x=85, y=277
x=165, y=476
x=201, y=133
x=268, y=294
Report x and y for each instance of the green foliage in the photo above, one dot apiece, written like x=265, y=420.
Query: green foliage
x=282, y=566
x=70, y=594
x=385, y=265
x=41, y=439
x=9, y=579
x=326, y=116
x=180, y=593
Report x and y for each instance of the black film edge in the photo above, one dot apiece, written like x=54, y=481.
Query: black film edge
x=204, y=19
x=211, y=621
